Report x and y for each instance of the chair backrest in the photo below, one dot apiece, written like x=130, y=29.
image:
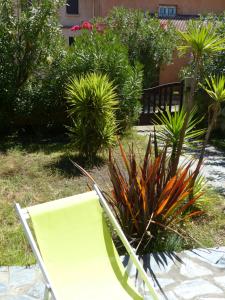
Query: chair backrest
x=74, y=239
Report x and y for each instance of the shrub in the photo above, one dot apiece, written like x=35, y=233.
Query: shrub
x=92, y=102
x=29, y=38
x=146, y=200
x=104, y=53
x=148, y=41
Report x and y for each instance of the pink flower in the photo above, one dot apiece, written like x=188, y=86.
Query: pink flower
x=87, y=25
x=75, y=28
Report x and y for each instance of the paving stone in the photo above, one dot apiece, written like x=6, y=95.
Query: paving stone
x=37, y=291
x=20, y=276
x=163, y=282
x=4, y=278
x=210, y=298
x=161, y=265
x=191, y=269
x=198, y=287
x=4, y=269
x=221, y=262
x=208, y=255
x=220, y=281
x=3, y=288
x=169, y=295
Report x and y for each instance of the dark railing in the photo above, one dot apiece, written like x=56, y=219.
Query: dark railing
x=159, y=98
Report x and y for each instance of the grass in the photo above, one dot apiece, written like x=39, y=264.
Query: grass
x=35, y=171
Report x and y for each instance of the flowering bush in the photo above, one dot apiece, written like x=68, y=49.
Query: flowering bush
x=85, y=25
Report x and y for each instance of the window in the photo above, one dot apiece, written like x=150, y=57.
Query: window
x=72, y=7
x=167, y=11
x=71, y=40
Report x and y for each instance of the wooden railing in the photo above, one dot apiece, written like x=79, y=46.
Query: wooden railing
x=158, y=98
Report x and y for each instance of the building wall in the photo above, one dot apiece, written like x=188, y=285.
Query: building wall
x=87, y=10
x=183, y=6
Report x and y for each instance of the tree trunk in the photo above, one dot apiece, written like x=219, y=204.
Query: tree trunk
x=212, y=121
x=175, y=161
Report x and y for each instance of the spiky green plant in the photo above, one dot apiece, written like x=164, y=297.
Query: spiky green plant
x=200, y=39
x=215, y=88
x=145, y=201
x=169, y=131
x=92, y=103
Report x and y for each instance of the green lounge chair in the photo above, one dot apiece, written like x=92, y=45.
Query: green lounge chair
x=75, y=250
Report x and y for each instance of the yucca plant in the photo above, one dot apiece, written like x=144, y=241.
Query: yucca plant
x=215, y=88
x=200, y=40
x=169, y=132
x=147, y=203
x=92, y=102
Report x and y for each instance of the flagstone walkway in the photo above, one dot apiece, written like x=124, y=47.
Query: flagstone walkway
x=197, y=274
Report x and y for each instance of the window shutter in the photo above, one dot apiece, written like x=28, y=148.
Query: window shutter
x=72, y=7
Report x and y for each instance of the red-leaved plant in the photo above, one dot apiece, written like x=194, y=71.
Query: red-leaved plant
x=146, y=200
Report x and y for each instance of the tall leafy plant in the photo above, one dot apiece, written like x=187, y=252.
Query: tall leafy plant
x=29, y=31
x=104, y=53
x=200, y=40
x=92, y=104
x=215, y=88
x=171, y=125
x=147, y=40
x=146, y=200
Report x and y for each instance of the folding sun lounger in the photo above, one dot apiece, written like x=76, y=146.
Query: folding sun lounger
x=75, y=250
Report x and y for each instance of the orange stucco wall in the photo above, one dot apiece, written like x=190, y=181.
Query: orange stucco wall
x=183, y=6
x=170, y=73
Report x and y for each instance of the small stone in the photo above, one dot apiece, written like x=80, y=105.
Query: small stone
x=163, y=282
x=191, y=269
x=20, y=276
x=193, y=288
x=37, y=291
x=220, y=281
x=3, y=288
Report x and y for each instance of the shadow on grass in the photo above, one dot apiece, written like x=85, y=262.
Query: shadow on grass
x=31, y=143
x=65, y=166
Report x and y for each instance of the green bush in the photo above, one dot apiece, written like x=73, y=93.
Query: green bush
x=92, y=102
x=104, y=53
x=148, y=41
x=30, y=37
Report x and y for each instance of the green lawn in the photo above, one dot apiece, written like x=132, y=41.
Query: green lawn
x=34, y=172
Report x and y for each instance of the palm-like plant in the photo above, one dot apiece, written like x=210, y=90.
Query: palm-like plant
x=200, y=39
x=169, y=132
x=215, y=88
x=92, y=103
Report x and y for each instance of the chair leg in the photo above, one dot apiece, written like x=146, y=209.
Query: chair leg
x=46, y=294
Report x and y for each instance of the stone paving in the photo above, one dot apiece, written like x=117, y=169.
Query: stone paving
x=197, y=274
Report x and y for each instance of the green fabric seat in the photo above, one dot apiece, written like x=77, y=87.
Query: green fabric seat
x=78, y=251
